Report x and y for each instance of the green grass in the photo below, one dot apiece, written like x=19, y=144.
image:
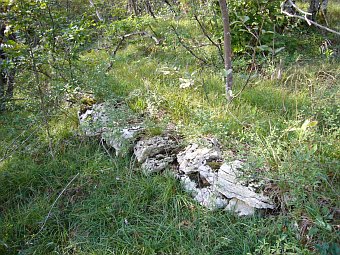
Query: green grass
x=112, y=208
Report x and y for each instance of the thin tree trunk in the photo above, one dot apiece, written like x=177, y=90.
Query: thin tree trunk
x=2, y=70
x=10, y=84
x=99, y=16
x=132, y=5
x=227, y=50
x=313, y=8
x=149, y=9
x=2, y=91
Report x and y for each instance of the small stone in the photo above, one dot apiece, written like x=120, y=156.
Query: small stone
x=209, y=199
x=130, y=132
x=188, y=185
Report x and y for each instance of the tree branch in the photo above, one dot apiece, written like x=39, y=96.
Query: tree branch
x=187, y=47
x=310, y=22
x=218, y=46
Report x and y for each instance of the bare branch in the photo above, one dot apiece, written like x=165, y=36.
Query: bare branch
x=310, y=22
x=55, y=201
x=218, y=46
x=187, y=47
x=141, y=33
x=99, y=16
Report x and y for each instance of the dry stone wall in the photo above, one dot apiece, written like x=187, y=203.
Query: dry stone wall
x=211, y=180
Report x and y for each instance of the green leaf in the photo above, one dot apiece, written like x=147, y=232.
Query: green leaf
x=264, y=48
x=279, y=50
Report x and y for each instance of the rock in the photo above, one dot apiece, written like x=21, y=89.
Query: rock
x=188, y=185
x=200, y=169
x=239, y=207
x=157, y=163
x=206, y=175
x=205, y=196
x=130, y=132
x=156, y=145
x=194, y=158
x=94, y=121
x=114, y=122
x=229, y=186
x=210, y=199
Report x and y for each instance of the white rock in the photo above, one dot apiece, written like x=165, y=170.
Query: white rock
x=188, y=185
x=130, y=132
x=156, y=145
x=239, y=207
x=194, y=159
x=106, y=120
x=209, y=199
x=156, y=164
x=228, y=185
x=208, y=175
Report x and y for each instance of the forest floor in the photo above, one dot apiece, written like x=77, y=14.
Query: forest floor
x=286, y=129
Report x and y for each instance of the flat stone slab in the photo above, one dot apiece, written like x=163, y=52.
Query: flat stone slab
x=229, y=186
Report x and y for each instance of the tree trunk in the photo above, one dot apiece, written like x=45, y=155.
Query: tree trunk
x=2, y=91
x=149, y=9
x=99, y=16
x=10, y=84
x=227, y=50
x=323, y=8
x=132, y=6
x=313, y=8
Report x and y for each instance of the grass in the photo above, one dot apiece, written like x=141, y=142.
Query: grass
x=112, y=208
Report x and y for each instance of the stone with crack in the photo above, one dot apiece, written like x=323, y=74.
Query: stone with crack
x=156, y=145
x=157, y=163
x=228, y=185
x=194, y=158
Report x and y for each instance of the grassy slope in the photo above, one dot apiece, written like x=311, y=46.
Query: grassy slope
x=112, y=208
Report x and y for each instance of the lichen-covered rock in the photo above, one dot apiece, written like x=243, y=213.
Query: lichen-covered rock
x=194, y=158
x=157, y=163
x=114, y=122
x=156, y=145
x=94, y=121
x=228, y=185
